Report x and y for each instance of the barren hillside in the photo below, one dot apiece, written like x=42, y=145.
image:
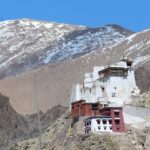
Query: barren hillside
x=56, y=80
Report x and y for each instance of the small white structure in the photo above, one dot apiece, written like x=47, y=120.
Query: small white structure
x=109, y=84
x=98, y=124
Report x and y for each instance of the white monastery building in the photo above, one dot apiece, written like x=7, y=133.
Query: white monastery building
x=113, y=84
x=98, y=124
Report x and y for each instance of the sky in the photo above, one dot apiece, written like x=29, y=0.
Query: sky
x=132, y=14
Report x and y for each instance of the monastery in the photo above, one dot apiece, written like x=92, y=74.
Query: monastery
x=98, y=101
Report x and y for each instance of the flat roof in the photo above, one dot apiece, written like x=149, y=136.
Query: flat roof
x=85, y=103
x=111, y=107
x=97, y=117
x=112, y=67
x=79, y=101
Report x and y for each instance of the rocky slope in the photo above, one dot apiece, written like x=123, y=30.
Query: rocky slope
x=142, y=101
x=28, y=44
x=15, y=127
x=58, y=137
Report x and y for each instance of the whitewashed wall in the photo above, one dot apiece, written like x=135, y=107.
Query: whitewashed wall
x=121, y=87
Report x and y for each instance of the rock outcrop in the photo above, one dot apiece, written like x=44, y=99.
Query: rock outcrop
x=15, y=127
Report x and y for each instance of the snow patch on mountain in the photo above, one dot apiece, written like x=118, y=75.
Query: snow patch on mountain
x=130, y=38
x=141, y=60
x=134, y=47
x=33, y=42
x=84, y=44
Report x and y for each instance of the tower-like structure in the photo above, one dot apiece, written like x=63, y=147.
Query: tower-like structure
x=110, y=84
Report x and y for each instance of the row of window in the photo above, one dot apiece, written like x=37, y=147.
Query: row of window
x=104, y=121
x=99, y=122
x=99, y=128
x=87, y=130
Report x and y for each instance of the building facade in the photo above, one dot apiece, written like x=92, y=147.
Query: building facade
x=109, y=84
x=97, y=124
x=81, y=108
x=98, y=118
x=97, y=104
x=117, y=117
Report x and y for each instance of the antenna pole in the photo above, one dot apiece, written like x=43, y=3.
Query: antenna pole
x=37, y=103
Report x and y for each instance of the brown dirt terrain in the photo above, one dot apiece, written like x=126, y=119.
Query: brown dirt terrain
x=56, y=81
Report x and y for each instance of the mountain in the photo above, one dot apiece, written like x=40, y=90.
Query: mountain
x=28, y=44
x=55, y=81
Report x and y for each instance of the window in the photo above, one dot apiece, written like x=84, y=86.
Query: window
x=98, y=121
x=110, y=121
x=117, y=122
x=95, y=106
x=104, y=128
x=103, y=89
x=78, y=105
x=72, y=107
x=104, y=122
x=116, y=114
x=88, y=123
x=99, y=128
x=113, y=94
x=86, y=131
x=110, y=128
x=115, y=88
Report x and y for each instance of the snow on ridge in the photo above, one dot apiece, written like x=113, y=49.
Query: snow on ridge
x=131, y=37
x=48, y=43
x=147, y=30
x=134, y=47
x=38, y=23
x=2, y=23
x=141, y=60
x=80, y=44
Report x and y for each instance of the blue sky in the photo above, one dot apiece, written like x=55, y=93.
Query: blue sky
x=132, y=14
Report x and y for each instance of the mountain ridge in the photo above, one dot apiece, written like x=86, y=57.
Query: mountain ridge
x=27, y=44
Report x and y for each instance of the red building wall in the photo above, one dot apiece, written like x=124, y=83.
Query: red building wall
x=117, y=118
x=86, y=109
x=77, y=108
